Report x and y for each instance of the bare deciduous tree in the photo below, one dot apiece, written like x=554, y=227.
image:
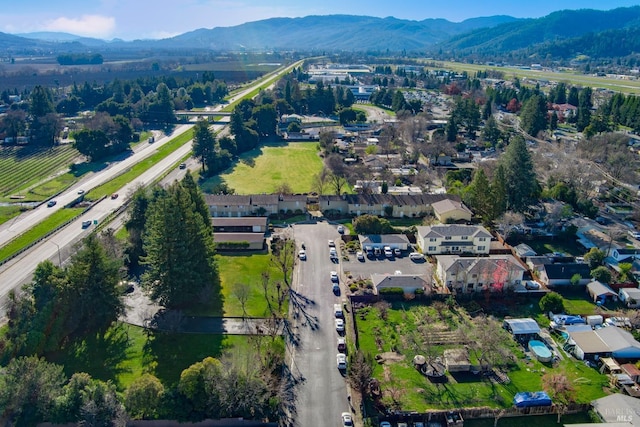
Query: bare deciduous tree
x=242, y=291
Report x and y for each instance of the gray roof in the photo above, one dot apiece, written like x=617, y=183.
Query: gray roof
x=632, y=292
x=453, y=230
x=399, y=280
x=523, y=326
x=476, y=264
x=611, y=407
x=448, y=205
x=597, y=288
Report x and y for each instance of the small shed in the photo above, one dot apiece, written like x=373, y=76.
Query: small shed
x=457, y=360
x=522, y=327
x=630, y=297
x=609, y=366
x=598, y=291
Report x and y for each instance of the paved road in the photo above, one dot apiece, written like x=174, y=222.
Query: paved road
x=323, y=395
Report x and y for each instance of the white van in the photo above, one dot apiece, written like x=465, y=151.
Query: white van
x=337, y=310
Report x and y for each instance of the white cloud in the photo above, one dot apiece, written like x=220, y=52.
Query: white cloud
x=86, y=25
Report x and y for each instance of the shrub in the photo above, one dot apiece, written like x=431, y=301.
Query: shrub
x=391, y=291
x=552, y=302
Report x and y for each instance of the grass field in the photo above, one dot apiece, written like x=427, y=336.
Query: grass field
x=463, y=389
x=264, y=169
x=9, y=212
x=624, y=86
x=125, y=352
x=37, y=231
x=23, y=167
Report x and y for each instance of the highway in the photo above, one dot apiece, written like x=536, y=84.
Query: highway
x=18, y=271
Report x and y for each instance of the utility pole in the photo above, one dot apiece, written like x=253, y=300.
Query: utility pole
x=59, y=256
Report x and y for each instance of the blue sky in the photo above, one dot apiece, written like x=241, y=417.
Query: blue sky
x=131, y=19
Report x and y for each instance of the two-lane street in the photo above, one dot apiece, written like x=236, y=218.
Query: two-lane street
x=323, y=394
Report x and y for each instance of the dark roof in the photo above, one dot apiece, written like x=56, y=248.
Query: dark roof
x=566, y=271
x=395, y=200
x=628, y=251
x=453, y=230
x=239, y=221
x=384, y=238
x=226, y=199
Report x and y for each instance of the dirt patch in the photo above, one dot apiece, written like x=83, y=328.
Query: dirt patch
x=389, y=356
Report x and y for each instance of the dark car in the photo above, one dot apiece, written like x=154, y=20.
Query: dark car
x=51, y=203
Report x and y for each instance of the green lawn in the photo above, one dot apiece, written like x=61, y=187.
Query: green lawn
x=244, y=268
x=38, y=231
x=545, y=246
x=465, y=389
x=9, y=212
x=52, y=187
x=126, y=352
x=266, y=168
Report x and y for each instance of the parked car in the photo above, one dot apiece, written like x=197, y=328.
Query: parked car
x=336, y=289
x=360, y=256
x=635, y=234
x=342, y=345
x=302, y=255
x=397, y=252
x=334, y=276
x=340, y=229
x=339, y=325
x=388, y=252
x=416, y=256
x=51, y=203
x=183, y=165
x=341, y=360
x=385, y=424
x=347, y=421
x=332, y=244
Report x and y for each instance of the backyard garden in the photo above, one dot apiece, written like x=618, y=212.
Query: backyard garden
x=393, y=334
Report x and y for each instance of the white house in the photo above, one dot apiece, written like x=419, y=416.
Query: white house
x=394, y=241
x=474, y=274
x=453, y=239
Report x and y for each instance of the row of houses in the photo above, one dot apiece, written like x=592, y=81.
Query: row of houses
x=444, y=207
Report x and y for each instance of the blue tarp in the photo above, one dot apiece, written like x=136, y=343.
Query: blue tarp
x=528, y=399
x=565, y=319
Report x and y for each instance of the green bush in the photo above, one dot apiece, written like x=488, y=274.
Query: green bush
x=232, y=246
x=391, y=291
x=552, y=302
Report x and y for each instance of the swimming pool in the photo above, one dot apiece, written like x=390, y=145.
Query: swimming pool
x=540, y=350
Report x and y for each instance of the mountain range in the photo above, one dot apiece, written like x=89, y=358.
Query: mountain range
x=562, y=33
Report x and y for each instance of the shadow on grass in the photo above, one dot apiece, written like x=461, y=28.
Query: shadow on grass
x=168, y=354
x=80, y=169
x=98, y=355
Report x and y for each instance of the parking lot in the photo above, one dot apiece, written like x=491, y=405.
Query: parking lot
x=383, y=265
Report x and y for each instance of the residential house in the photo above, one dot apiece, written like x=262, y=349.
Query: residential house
x=524, y=251
x=630, y=297
x=453, y=239
x=560, y=274
x=294, y=203
x=449, y=210
x=611, y=341
x=394, y=241
x=599, y=291
x=483, y=273
x=632, y=370
x=397, y=206
x=408, y=282
x=333, y=205
x=625, y=254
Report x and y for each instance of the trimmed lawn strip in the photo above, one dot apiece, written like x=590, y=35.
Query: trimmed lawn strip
x=10, y=212
x=264, y=169
x=126, y=352
x=38, y=231
x=52, y=187
x=139, y=168
x=463, y=389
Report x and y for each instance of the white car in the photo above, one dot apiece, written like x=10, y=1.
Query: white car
x=388, y=252
x=347, y=421
x=416, y=256
x=340, y=229
x=342, y=345
x=360, y=256
x=302, y=255
x=385, y=424
x=339, y=325
x=332, y=244
x=341, y=360
x=334, y=276
x=333, y=253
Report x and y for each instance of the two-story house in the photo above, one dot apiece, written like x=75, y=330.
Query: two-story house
x=453, y=239
x=493, y=273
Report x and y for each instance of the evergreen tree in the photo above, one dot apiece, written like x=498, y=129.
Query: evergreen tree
x=584, y=109
x=479, y=196
x=534, y=115
x=499, y=190
x=522, y=187
x=180, y=250
x=451, y=129
x=204, y=143
x=491, y=133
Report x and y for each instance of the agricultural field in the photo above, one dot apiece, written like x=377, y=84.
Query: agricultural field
x=623, y=86
x=25, y=167
x=264, y=169
x=396, y=334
